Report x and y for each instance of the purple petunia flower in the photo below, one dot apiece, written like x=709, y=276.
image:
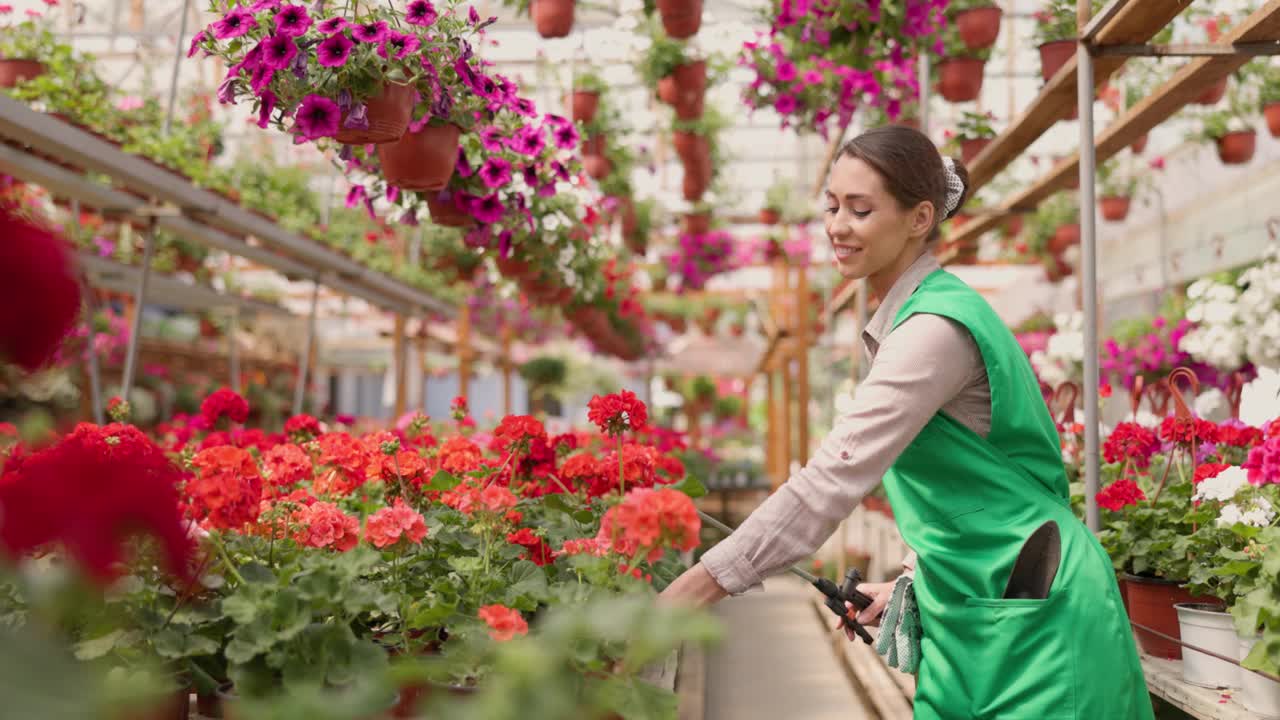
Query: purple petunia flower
x=346, y=153
x=491, y=139
x=374, y=32
x=227, y=90
x=473, y=16
x=529, y=141
x=421, y=12
x=334, y=51
x=317, y=117
x=786, y=72
x=268, y=103
x=357, y=118
x=293, y=20
x=530, y=176
x=785, y=104
x=496, y=172
x=355, y=196
x=463, y=167
x=397, y=45
x=265, y=5
x=299, y=66
x=195, y=42
x=566, y=136
x=562, y=172
x=547, y=190
x=235, y=23
x=332, y=26
x=260, y=79
x=488, y=209
x=409, y=218
x=278, y=52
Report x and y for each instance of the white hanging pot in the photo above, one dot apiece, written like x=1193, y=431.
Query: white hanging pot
x=1259, y=695
x=1209, y=627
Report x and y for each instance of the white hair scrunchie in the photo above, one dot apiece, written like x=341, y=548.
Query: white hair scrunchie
x=955, y=186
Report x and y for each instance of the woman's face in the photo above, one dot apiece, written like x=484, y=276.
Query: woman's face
x=869, y=232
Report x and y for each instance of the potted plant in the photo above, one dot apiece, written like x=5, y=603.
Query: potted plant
x=978, y=22
x=552, y=18
x=960, y=70
x=678, y=77
x=696, y=143
x=1236, y=140
x=1269, y=96
x=585, y=98
x=777, y=199
x=1116, y=190
x=1056, y=35
x=680, y=18
x=24, y=49
x=543, y=374
x=973, y=133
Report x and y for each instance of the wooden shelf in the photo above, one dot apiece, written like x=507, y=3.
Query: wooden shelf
x=1164, y=679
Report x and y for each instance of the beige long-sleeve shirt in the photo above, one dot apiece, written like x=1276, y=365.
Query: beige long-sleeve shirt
x=928, y=364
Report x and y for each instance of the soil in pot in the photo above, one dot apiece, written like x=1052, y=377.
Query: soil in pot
x=1151, y=602
x=552, y=18
x=1115, y=208
x=1237, y=148
x=1213, y=94
x=1210, y=627
x=1139, y=145
x=1272, y=113
x=583, y=105
x=960, y=79
x=388, y=115
x=422, y=160
x=15, y=70
x=680, y=18
x=979, y=27
x=970, y=148
x=1259, y=695
x=1053, y=55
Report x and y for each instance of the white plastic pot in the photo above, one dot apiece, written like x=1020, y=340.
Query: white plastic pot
x=1258, y=694
x=1208, y=627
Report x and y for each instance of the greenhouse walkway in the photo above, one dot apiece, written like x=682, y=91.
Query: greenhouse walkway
x=776, y=661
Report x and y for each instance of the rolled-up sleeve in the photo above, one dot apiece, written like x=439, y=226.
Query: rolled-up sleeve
x=918, y=368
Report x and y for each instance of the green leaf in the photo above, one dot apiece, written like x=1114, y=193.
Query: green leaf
x=691, y=486
x=528, y=582
x=99, y=646
x=442, y=480
x=242, y=609
x=257, y=573
x=585, y=516
x=170, y=643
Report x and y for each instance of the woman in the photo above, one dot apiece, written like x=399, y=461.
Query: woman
x=1020, y=612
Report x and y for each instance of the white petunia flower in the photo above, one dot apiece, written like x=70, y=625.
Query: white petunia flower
x=1224, y=486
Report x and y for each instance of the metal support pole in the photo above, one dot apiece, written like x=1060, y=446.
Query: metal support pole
x=91, y=337
x=924, y=91
x=177, y=64
x=233, y=349
x=304, y=364
x=1088, y=281
x=139, y=300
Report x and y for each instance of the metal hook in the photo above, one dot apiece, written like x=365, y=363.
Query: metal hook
x=1180, y=406
x=1234, y=392
x=1069, y=412
x=1135, y=396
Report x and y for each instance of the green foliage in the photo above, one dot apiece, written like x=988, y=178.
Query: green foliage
x=589, y=80
x=1057, y=20
x=1269, y=88
x=727, y=407
x=701, y=389
x=662, y=58
x=975, y=126
x=544, y=372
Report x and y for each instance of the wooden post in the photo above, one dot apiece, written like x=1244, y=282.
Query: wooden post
x=770, y=428
x=787, y=412
x=802, y=362
x=464, y=351
x=745, y=418
x=505, y=362
x=402, y=372
x=423, y=368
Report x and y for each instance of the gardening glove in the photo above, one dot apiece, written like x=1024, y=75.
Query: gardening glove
x=899, y=641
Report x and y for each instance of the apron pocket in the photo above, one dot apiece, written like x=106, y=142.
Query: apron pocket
x=1015, y=658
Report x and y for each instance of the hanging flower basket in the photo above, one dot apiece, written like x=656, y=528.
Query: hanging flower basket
x=680, y=18
x=1064, y=237
x=445, y=212
x=970, y=148
x=686, y=145
x=15, y=70
x=694, y=183
x=1237, y=148
x=388, y=115
x=687, y=89
x=960, y=79
x=979, y=27
x=597, y=166
x=1213, y=94
x=1272, y=112
x=552, y=18
x=593, y=145
x=769, y=216
x=1053, y=55
x=1115, y=208
x=697, y=223
x=422, y=160
x=583, y=105
x=1139, y=145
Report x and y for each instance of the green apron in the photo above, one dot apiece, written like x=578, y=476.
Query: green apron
x=966, y=504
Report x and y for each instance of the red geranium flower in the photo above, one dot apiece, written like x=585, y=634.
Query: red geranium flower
x=1120, y=493
x=1238, y=435
x=504, y=622
x=647, y=521
x=226, y=491
x=517, y=431
x=459, y=456
x=323, y=524
x=302, y=425
x=1206, y=471
x=538, y=550
x=409, y=465
x=287, y=466
x=224, y=402
x=1188, y=430
x=391, y=524
x=613, y=414
x=349, y=460
x=1131, y=442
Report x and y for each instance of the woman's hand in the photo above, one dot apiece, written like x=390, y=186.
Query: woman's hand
x=880, y=594
x=695, y=587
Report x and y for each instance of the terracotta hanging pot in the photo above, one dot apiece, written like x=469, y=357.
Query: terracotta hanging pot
x=1053, y=55
x=445, y=213
x=979, y=27
x=971, y=147
x=512, y=267
x=593, y=145
x=627, y=216
x=769, y=216
x=1237, y=148
x=1213, y=94
x=552, y=18
x=694, y=183
x=697, y=223
x=667, y=90
x=1064, y=237
x=1115, y=208
x=1140, y=144
x=422, y=160
x=388, y=113
x=583, y=105
x=1013, y=226
x=680, y=18
x=1272, y=112
x=690, y=86
x=960, y=79
x=597, y=166
x=686, y=145
x=15, y=70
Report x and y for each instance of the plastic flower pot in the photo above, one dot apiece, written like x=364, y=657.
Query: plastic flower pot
x=1259, y=695
x=697, y=223
x=552, y=18
x=583, y=105
x=388, y=113
x=1114, y=208
x=970, y=148
x=443, y=212
x=1213, y=94
x=960, y=79
x=1210, y=627
x=422, y=160
x=1151, y=602
x=15, y=70
x=1064, y=237
x=769, y=216
x=689, y=83
x=597, y=166
x=680, y=18
x=979, y=27
x=1053, y=55
x=1236, y=148
x=1271, y=111
x=1139, y=145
